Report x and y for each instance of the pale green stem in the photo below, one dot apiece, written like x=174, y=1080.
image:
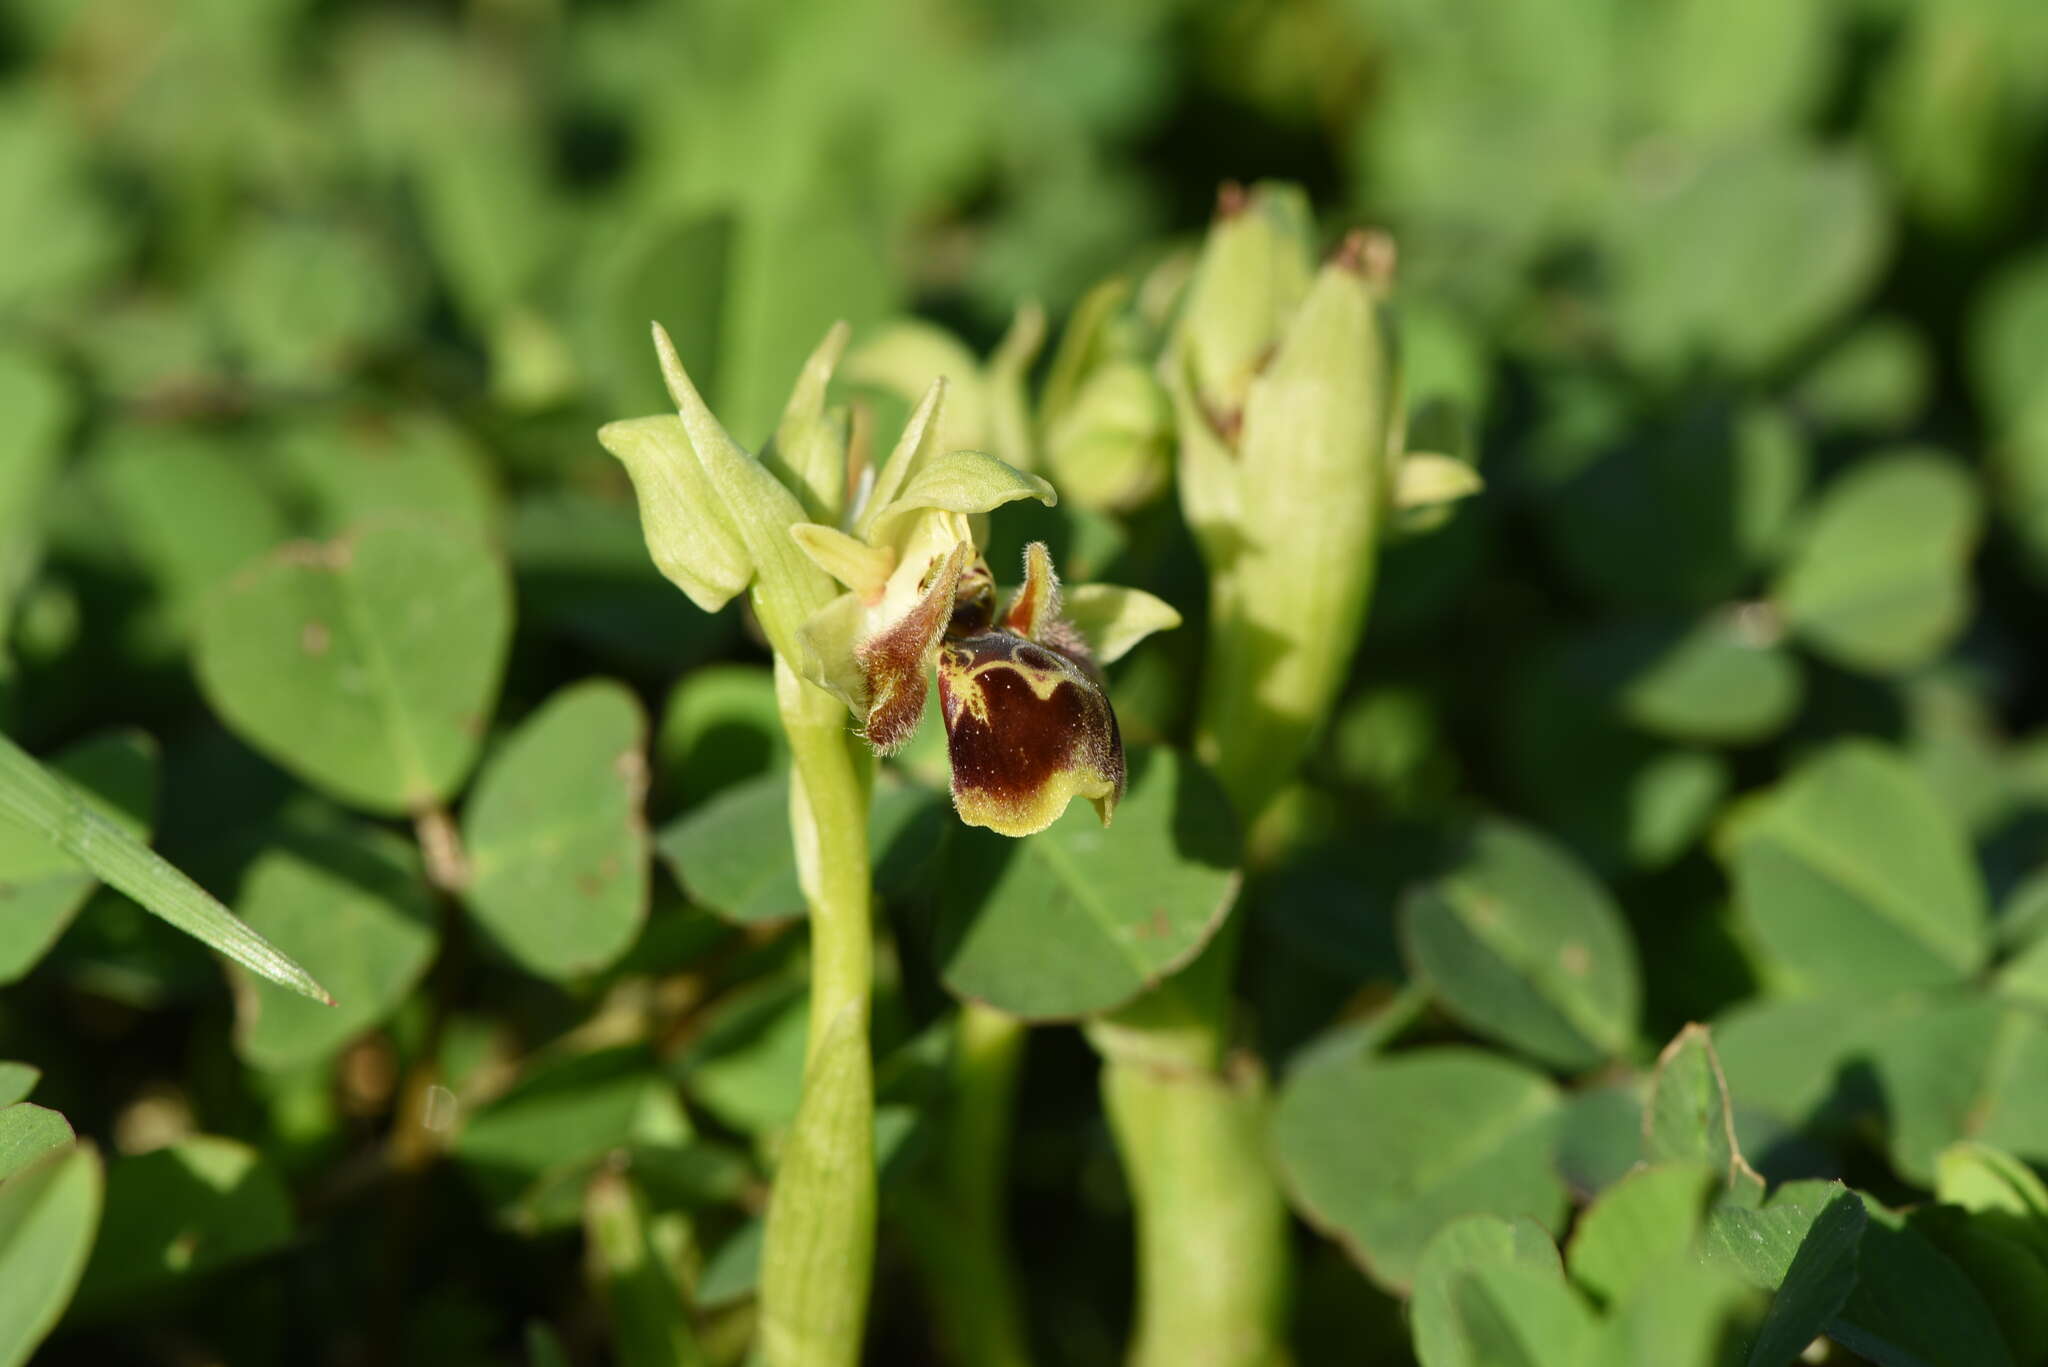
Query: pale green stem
x=1214, y=1275
x=817, y=1260
x=958, y=1228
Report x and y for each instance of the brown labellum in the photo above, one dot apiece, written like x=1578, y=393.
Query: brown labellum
x=1028, y=725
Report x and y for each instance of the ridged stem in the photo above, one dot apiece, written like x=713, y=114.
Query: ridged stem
x=818, y=1256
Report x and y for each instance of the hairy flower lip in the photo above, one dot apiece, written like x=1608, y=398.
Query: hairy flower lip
x=1028, y=729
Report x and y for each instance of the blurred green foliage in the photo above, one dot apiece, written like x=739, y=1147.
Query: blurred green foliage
x=1725, y=702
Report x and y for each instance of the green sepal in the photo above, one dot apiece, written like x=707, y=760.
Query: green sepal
x=1112, y=619
x=687, y=533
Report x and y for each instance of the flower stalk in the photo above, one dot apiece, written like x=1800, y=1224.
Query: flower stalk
x=862, y=599
x=717, y=521
x=1287, y=406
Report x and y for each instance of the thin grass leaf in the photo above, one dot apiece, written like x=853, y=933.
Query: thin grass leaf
x=35, y=798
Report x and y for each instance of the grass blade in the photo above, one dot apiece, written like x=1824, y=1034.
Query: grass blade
x=37, y=799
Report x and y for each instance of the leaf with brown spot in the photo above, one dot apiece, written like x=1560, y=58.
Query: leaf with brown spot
x=1525, y=946
x=376, y=706
x=557, y=839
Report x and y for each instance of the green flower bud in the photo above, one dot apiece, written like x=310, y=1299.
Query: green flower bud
x=1106, y=422
x=1113, y=448
x=1255, y=269
x=1287, y=404
x=986, y=406
x=809, y=451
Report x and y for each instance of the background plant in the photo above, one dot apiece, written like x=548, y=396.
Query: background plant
x=1721, y=704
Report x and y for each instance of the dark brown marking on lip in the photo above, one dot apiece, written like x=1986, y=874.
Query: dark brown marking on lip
x=1027, y=730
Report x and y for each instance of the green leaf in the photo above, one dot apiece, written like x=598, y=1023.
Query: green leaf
x=2009, y=1275
x=798, y=263
x=1081, y=918
x=354, y=466
x=1913, y=1306
x=1441, y=1339
x=555, y=835
x=367, y=665
x=733, y=1272
x=1790, y=1059
x=721, y=726
x=1879, y=580
x=1800, y=1244
x=1855, y=879
x=2003, y=1193
x=1519, y=1316
x=1619, y=797
x=1683, y=1313
x=1600, y=1136
x=1679, y=516
x=189, y=507
x=42, y=887
x=649, y=1322
x=1962, y=1068
x=1475, y=1136
x=748, y=1067
x=2005, y=356
x=1637, y=1225
x=33, y=797
x=1778, y=238
x=48, y=1213
x=304, y=300
x=177, y=1213
x=2006, y=330
x=353, y=905
x=27, y=1132
x=17, y=1080
x=1523, y=945
x=535, y=1144
x=1688, y=1115
x=1713, y=683
x=60, y=233
x=1876, y=379
x=40, y=408
x=732, y=853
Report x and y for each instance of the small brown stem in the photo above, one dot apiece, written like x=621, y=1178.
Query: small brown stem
x=441, y=848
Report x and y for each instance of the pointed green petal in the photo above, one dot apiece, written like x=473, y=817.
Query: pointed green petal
x=863, y=568
x=1426, y=479
x=917, y=444
x=825, y=651
x=686, y=531
x=810, y=443
x=958, y=482
x=1112, y=619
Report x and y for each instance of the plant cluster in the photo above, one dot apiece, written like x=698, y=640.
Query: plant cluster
x=1444, y=760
